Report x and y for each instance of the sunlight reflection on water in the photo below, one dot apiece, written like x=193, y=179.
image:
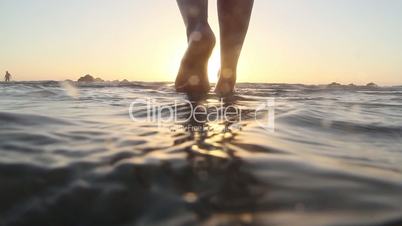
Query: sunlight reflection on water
x=71, y=155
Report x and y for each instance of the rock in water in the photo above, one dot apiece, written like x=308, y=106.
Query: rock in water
x=372, y=85
x=334, y=85
x=125, y=81
x=86, y=78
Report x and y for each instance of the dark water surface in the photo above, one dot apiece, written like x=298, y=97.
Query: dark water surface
x=73, y=157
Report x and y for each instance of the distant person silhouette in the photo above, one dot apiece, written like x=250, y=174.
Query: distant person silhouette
x=7, y=77
x=234, y=17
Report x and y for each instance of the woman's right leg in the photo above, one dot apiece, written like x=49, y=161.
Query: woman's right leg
x=193, y=73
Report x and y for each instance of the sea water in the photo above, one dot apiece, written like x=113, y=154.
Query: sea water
x=84, y=154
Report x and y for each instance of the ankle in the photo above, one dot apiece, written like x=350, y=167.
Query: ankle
x=227, y=73
x=201, y=34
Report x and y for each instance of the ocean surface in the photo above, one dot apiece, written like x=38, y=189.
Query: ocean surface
x=84, y=154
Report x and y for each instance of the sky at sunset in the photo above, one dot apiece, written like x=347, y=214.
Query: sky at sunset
x=292, y=41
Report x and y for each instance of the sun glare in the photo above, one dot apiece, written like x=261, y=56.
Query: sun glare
x=174, y=63
x=214, y=66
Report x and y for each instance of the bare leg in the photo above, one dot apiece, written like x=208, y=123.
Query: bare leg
x=193, y=72
x=234, y=18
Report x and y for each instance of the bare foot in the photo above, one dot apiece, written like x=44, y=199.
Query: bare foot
x=193, y=72
x=226, y=83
